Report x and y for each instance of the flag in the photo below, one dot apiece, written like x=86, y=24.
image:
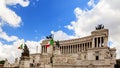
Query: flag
x=51, y=42
x=21, y=46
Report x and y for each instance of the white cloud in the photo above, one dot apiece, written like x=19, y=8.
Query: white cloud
x=9, y=16
x=105, y=12
x=11, y=51
x=34, y=46
x=4, y=36
x=60, y=35
x=23, y=3
x=8, y=51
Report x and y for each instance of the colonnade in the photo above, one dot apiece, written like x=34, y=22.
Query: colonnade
x=75, y=48
x=99, y=41
x=44, y=49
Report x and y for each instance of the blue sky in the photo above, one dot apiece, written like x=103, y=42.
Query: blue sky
x=43, y=16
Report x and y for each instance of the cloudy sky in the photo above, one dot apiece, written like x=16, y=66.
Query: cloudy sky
x=30, y=21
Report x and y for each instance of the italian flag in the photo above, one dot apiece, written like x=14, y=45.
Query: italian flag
x=51, y=42
x=21, y=46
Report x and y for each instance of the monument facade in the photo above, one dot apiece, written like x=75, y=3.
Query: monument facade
x=87, y=52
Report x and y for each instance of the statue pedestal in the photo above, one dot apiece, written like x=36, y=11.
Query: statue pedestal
x=25, y=59
x=24, y=62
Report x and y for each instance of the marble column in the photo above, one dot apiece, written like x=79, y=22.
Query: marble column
x=93, y=44
x=77, y=48
x=43, y=49
x=68, y=49
x=80, y=47
x=72, y=48
x=83, y=46
x=63, y=49
x=100, y=41
x=88, y=44
x=105, y=41
x=96, y=42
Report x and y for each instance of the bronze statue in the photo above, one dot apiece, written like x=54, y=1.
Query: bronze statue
x=100, y=26
x=25, y=51
x=49, y=37
x=57, y=44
